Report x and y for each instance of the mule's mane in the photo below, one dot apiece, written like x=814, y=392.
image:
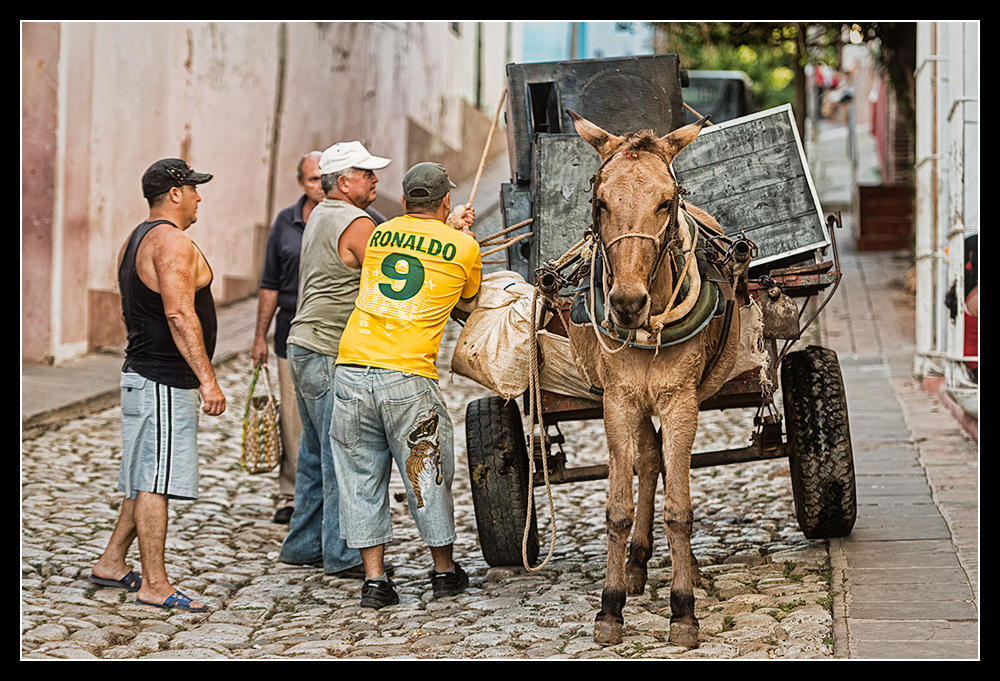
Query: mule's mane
x=644, y=140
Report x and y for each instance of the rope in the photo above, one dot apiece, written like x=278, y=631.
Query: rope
x=505, y=244
x=493, y=237
x=534, y=411
x=486, y=150
x=593, y=310
x=672, y=313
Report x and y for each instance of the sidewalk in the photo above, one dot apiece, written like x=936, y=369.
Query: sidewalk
x=906, y=581
x=50, y=394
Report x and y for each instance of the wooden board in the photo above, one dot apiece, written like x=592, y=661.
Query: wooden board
x=621, y=94
x=751, y=174
x=561, y=172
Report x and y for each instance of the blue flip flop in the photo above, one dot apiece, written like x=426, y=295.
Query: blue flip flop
x=130, y=582
x=176, y=601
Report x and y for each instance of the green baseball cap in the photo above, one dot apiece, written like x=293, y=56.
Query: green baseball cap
x=426, y=182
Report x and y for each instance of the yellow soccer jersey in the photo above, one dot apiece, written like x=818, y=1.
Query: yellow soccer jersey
x=414, y=272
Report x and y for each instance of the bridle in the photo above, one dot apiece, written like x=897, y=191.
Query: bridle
x=670, y=226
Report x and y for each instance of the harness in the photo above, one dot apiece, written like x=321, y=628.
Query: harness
x=713, y=254
x=701, y=248
x=589, y=301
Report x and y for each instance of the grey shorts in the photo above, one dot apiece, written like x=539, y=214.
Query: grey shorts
x=159, y=439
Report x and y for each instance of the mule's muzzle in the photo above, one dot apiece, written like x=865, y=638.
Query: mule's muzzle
x=629, y=307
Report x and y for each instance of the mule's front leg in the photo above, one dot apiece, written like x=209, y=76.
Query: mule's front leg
x=648, y=466
x=618, y=518
x=679, y=426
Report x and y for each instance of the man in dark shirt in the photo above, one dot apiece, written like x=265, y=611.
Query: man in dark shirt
x=165, y=284
x=279, y=291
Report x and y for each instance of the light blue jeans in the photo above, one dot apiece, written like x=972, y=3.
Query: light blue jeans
x=314, y=530
x=381, y=416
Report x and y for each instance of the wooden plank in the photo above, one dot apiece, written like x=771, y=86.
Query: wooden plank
x=744, y=136
x=740, y=174
x=561, y=172
x=750, y=173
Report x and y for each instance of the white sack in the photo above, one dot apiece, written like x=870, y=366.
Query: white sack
x=494, y=347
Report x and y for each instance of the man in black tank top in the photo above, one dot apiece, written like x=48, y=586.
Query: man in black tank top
x=169, y=313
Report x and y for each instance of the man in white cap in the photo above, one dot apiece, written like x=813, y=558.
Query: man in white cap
x=277, y=299
x=333, y=248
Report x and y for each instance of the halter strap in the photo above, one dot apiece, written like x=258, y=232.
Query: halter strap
x=672, y=218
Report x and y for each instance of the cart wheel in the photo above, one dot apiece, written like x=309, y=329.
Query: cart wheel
x=498, y=468
x=821, y=457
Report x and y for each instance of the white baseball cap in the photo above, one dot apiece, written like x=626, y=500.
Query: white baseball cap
x=344, y=155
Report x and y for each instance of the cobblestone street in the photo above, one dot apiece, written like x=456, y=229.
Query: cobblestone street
x=764, y=586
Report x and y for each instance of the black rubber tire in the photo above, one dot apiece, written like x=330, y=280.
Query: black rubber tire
x=498, y=471
x=821, y=459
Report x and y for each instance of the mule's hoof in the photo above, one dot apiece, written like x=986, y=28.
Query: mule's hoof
x=607, y=633
x=635, y=582
x=684, y=635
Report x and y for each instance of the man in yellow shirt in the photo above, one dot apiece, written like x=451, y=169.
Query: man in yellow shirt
x=387, y=402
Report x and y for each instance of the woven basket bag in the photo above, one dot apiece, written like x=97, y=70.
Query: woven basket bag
x=261, y=428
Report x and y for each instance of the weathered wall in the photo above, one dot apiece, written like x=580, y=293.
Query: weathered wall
x=101, y=101
x=39, y=99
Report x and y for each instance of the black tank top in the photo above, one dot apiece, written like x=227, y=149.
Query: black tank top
x=151, y=351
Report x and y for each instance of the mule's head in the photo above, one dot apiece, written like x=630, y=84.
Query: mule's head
x=635, y=207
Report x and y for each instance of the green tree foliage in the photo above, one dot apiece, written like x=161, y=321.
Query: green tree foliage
x=768, y=53
x=775, y=54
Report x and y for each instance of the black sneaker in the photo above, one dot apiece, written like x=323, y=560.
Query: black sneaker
x=378, y=593
x=283, y=515
x=449, y=583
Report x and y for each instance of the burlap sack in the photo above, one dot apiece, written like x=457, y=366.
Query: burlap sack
x=494, y=347
x=753, y=353
x=558, y=373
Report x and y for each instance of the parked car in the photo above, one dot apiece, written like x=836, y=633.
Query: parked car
x=723, y=95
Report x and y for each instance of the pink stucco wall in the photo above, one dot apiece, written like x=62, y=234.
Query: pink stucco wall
x=101, y=101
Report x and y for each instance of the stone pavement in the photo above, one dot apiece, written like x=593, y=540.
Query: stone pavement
x=904, y=585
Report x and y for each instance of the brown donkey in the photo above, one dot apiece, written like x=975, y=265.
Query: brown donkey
x=646, y=239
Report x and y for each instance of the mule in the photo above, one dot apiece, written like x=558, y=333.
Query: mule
x=640, y=227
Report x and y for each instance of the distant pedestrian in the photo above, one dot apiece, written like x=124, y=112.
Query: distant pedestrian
x=165, y=284
x=279, y=290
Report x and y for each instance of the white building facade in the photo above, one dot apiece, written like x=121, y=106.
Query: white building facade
x=948, y=203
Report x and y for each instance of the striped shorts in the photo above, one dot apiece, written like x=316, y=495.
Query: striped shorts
x=159, y=439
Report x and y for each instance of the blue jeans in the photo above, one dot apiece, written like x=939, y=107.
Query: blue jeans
x=314, y=530
x=381, y=416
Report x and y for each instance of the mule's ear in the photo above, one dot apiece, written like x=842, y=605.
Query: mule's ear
x=603, y=141
x=673, y=142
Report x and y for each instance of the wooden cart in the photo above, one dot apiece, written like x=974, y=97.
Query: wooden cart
x=752, y=175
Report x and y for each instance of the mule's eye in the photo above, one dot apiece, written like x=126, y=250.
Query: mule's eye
x=665, y=205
